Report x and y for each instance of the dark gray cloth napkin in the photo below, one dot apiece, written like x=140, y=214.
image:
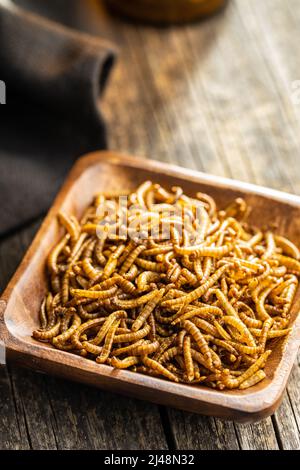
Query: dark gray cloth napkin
x=54, y=77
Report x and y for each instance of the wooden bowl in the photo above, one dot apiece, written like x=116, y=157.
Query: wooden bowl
x=111, y=172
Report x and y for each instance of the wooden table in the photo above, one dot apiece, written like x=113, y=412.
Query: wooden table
x=219, y=96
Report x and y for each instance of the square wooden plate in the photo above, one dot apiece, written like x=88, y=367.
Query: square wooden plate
x=110, y=173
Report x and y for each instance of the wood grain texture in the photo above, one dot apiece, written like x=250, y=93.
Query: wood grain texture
x=86, y=418
x=257, y=436
x=214, y=96
x=220, y=96
x=191, y=431
x=285, y=423
x=225, y=109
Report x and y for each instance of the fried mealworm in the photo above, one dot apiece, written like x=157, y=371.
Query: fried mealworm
x=95, y=294
x=236, y=382
x=75, y=338
x=129, y=337
x=145, y=349
x=145, y=279
x=131, y=259
x=127, y=349
x=203, y=312
x=287, y=246
x=92, y=348
x=169, y=354
x=53, y=256
x=43, y=315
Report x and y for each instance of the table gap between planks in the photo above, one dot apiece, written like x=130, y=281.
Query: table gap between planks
x=216, y=96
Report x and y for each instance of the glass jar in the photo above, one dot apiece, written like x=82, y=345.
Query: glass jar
x=165, y=11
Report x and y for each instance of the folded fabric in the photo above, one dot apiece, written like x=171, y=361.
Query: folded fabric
x=54, y=77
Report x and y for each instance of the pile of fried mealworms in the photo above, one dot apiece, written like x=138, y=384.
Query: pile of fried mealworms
x=202, y=302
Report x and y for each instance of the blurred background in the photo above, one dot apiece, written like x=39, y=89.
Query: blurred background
x=220, y=95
